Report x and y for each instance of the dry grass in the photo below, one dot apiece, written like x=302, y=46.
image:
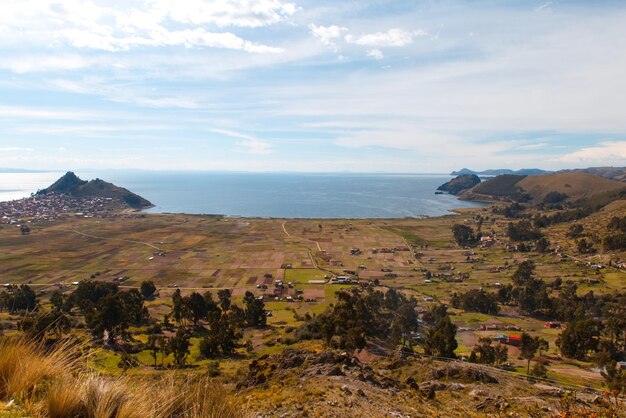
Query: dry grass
x=51, y=383
x=201, y=398
x=25, y=366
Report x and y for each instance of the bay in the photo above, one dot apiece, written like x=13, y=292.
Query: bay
x=279, y=195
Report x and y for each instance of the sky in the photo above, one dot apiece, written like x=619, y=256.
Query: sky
x=312, y=85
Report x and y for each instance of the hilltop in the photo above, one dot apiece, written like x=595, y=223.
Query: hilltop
x=555, y=188
x=613, y=173
x=460, y=183
x=70, y=184
x=501, y=171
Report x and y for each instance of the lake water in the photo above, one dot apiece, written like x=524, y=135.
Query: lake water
x=269, y=195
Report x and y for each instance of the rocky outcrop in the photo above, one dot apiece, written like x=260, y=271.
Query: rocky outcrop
x=460, y=183
x=71, y=185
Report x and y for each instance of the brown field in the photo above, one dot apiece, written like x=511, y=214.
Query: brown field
x=209, y=253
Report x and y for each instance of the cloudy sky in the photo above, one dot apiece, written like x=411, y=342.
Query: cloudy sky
x=312, y=85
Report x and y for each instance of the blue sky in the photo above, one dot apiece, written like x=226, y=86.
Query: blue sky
x=312, y=85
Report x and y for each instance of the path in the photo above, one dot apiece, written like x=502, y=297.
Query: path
x=311, y=256
x=114, y=239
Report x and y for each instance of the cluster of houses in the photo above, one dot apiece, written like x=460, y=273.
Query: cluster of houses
x=387, y=250
x=54, y=206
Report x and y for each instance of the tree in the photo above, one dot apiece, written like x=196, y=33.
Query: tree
x=539, y=369
x=354, y=339
x=524, y=272
x=440, y=340
x=18, y=298
x=463, y=235
x=154, y=345
x=57, y=300
x=180, y=310
x=529, y=347
x=255, y=310
x=483, y=352
x=39, y=325
x=575, y=231
x=147, y=289
x=579, y=337
x=24, y=230
x=501, y=353
x=108, y=316
x=523, y=231
x=224, y=296
x=585, y=247
x=197, y=307
x=179, y=346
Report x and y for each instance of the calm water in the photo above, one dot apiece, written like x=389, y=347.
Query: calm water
x=269, y=195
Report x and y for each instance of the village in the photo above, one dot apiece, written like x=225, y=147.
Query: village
x=56, y=206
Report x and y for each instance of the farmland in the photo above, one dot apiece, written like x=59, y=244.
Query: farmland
x=204, y=253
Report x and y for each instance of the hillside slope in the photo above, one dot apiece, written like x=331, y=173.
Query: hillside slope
x=613, y=173
x=71, y=184
x=568, y=186
x=574, y=185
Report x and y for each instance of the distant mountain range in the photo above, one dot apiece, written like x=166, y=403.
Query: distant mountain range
x=501, y=171
x=19, y=170
x=613, y=173
x=71, y=185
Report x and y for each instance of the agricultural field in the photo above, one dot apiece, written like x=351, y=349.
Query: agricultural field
x=208, y=253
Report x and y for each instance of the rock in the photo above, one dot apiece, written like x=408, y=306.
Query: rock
x=345, y=389
x=412, y=383
x=360, y=392
x=460, y=183
x=477, y=393
x=455, y=386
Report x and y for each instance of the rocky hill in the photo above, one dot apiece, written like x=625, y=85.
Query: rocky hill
x=71, y=184
x=300, y=383
x=501, y=171
x=567, y=186
x=460, y=183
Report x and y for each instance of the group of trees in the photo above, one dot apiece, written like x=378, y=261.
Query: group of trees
x=542, y=221
x=224, y=320
x=108, y=312
x=476, y=301
x=389, y=316
x=440, y=338
x=523, y=231
x=104, y=307
x=358, y=315
x=486, y=353
x=18, y=299
x=530, y=294
x=464, y=235
x=617, y=238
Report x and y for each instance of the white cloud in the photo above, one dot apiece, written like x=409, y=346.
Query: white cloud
x=605, y=153
x=375, y=53
x=327, y=34
x=255, y=146
x=149, y=23
x=241, y=13
x=391, y=38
